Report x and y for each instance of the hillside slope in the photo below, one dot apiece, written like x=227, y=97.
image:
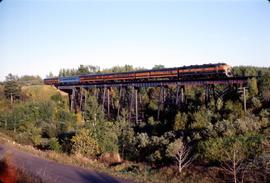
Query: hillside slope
x=41, y=92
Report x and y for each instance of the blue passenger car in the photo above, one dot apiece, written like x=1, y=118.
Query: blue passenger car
x=69, y=80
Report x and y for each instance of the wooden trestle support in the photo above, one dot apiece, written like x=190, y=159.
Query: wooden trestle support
x=129, y=96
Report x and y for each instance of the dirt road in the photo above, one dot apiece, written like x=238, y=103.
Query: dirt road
x=51, y=171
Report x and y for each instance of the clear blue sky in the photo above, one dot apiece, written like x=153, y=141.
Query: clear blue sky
x=39, y=36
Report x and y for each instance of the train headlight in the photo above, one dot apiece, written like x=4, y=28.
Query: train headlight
x=229, y=71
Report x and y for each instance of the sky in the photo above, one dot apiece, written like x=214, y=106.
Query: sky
x=42, y=36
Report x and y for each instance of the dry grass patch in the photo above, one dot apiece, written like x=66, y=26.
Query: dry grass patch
x=41, y=92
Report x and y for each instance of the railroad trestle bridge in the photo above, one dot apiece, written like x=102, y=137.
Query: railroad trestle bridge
x=78, y=92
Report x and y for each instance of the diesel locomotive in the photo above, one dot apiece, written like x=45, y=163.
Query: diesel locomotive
x=219, y=70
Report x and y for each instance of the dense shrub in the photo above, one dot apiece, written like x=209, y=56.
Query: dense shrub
x=85, y=144
x=54, y=145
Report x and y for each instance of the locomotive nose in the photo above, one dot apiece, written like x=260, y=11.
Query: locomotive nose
x=229, y=72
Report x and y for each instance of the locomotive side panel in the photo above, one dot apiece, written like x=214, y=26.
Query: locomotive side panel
x=203, y=71
x=164, y=73
x=51, y=81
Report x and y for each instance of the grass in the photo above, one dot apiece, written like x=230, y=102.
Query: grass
x=41, y=92
x=37, y=92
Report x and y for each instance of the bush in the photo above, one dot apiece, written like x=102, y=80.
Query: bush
x=106, y=136
x=85, y=144
x=54, y=145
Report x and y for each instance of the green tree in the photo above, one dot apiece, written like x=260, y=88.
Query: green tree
x=181, y=120
x=202, y=119
x=143, y=140
x=264, y=85
x=83, y=70
x=126, y=137
x=92, y=111
x=234, y=110
x=29, y=133
x=125, y=68
x=256, y=103
x=105, y=133
x=12, y=89
x=158, y=66
x=50, y=75
x=231, y=152
x=142, y=144
x=246, y=125
x=253, y=88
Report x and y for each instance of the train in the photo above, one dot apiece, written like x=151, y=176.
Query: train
x=205, y=71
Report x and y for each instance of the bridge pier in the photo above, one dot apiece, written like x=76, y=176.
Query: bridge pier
x=162, y=99
x=214, y=95
x=133, y=104
x=243, y=91
x=72, y=99
x=136, y=106
x=106, y=100
x=103, y=98
x=207, y=95
x=82, y=95
x=177, y=95
x=108, y=103
x=77, y=98
x=119, y=103
x=131, y=98
x=86, y=91
x=180, y=95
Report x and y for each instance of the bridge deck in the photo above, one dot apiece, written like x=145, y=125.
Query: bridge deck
x=192, y=82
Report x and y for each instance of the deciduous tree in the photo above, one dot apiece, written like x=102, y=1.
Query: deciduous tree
x=181, y=152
